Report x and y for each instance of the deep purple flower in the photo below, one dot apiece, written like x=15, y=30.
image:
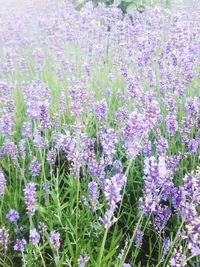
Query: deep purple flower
x=12, y=216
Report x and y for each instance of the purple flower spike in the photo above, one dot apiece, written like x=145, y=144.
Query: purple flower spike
x=82, y=260
x=4, y=238
x=55, y=240
x=30, y=198
x=12, y=216
x=20, y=245
x=34, y=237
x=2, y=183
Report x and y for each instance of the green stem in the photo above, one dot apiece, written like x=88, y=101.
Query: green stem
x=77, y=210
x=102, y=248
x=173, y=244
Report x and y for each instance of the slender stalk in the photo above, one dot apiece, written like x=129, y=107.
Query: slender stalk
x=102, y=248
x=77, y=213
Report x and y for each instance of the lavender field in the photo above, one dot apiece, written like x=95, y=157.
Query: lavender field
x=99, y=134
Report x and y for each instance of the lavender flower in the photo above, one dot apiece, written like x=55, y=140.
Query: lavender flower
x=109, y=218
x=112, y=189
x=4, y=238
x=2, y=183
x=18, y=229
x=34, y=237
x=26, y=130
x=192, y=106
x=22, y=148
x=54, y=239
x=12, y=216
x=82, y=260
x=165, y=247
x=100, y=110
x=93, y=194
x=178, y=259
x=108, y=141
x=34, y=168
x=171, y=124
x=20, y=245
x=118, y=166
x=139, y=238
x=62, y=103
x=193, y=146
x=30, y=198
x=51, y=156
x=46, y=187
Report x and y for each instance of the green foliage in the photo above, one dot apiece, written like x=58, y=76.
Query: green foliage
x=128, y=6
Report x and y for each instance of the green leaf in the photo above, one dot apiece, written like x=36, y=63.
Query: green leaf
x=117, y=2
x=128, y=1
x=141, y=8
x=130, y=8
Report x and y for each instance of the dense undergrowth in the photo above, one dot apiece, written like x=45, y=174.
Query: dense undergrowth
x=99, y=136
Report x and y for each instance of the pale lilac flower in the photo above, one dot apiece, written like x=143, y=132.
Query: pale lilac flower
x=54, y=239
x=4, y=238
x=100, y=110
x=19, y=245
x=112, y=189
x=12, y=216
x=178, y=259
x=171, y=124
x=35, y=168
x=26, y=130
x=34, y=237
x=93, y=194
x=30, y=198
x=51, y=156
x=3, y=183
x=82, y=260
